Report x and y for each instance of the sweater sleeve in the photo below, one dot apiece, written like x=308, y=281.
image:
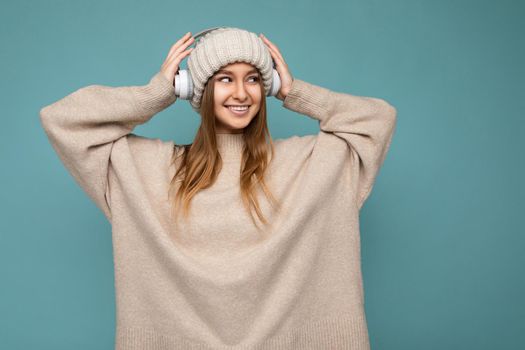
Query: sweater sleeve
x=83, y=126
x=366, y=124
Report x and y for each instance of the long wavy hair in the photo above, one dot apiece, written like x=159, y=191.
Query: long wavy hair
x=199, y=163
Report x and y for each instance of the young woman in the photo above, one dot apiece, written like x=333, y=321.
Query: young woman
x=235, y=241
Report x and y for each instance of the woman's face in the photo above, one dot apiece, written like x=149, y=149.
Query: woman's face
x=236, y=84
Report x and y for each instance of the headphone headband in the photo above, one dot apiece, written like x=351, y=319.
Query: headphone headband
x=203, y=32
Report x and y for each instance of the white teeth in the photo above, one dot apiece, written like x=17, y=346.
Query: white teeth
x=238, y=108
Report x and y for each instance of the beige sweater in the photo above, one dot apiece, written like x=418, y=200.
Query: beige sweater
x=217, y=283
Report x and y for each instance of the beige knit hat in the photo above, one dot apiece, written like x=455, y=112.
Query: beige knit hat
x=221, y=47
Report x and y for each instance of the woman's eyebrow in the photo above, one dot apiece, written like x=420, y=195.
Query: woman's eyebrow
x=230, y=72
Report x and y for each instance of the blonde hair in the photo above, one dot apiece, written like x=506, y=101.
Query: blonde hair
x=200, y=162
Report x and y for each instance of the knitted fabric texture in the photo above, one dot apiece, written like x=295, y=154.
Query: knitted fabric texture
x=215, y=281
x=221, y=47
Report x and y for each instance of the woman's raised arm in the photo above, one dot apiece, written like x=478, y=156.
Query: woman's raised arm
x=366, y=124
x=83, y=126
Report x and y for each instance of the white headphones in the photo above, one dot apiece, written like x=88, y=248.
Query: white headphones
x=184, y=83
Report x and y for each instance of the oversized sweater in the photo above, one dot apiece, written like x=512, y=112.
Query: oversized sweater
x=216, y=282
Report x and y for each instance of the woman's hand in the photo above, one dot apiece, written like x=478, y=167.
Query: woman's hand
x=281, y=67
x=170, y=67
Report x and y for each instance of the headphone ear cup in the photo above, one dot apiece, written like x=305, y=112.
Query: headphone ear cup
x=276, y=83
x=183, y=85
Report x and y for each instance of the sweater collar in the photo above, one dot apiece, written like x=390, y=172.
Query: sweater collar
x=230, y=146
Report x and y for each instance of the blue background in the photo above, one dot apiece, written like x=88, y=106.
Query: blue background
x=442, y=232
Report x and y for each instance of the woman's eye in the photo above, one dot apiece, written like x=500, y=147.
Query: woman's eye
x=254, y=78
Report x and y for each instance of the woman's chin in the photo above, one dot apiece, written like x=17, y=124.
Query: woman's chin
x=235, y=122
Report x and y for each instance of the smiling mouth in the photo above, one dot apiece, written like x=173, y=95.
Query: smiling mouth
x=238, y=112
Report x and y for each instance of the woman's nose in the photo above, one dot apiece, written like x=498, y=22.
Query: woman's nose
x=240, y=90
